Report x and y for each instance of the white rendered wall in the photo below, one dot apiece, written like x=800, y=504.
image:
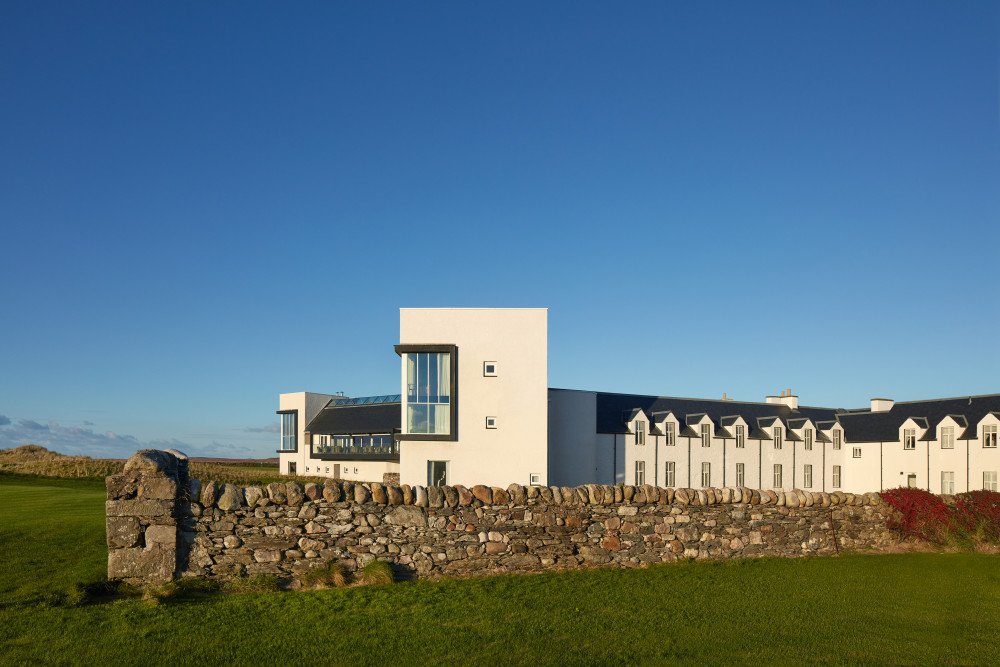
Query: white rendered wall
x=516, y=339
x=308, y=406
x=351, y=471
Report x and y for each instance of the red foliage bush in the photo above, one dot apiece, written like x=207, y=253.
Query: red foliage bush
x=979, y=510
x=924, y=515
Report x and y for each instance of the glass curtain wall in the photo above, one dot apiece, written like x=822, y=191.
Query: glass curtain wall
x=428, y=392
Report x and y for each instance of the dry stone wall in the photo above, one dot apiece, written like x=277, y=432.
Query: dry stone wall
x=288, y=529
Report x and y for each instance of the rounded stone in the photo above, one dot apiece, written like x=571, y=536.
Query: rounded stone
x=152, y=460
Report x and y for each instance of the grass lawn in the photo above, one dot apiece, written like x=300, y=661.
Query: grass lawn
x=896, y=609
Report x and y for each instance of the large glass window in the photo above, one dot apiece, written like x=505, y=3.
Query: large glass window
x=341, y=445
x=289, y=431
x=428, y=393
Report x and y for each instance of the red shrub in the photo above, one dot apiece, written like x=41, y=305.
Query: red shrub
x=924, y=514
x=979, y=510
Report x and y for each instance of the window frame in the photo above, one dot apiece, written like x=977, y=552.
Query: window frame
x=835, y=477
x=430, y=472
x=989, y=436
x=706, y=435
x=741, y=474
x=807, y=476
x=947, y=437
x=777, y=437
x=741, y=436
x=670, y=474
x=779, y=477
x=837, y=438
x=909, y=439
x=949, y=481
x=670, y=433
x=640, y=473
x=856, y=453
x=452, y=435
x=706, y=474
x=294, y=414
x=640, y=433
x=990, y=484
x=808, y=434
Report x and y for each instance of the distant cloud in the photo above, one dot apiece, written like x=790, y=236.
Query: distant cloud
x=271, y=428
x=4, y=420
x=88, y=423
x=32, y=425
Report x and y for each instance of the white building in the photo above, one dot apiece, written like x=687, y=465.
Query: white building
x=474, y=408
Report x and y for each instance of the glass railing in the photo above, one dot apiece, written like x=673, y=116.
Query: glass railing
x=367, y=445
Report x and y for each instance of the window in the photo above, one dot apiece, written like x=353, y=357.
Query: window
x=777, y=437
x=671, y=431
x=836, y=477
x=857, y=452
x=947, y=437
x=990, y=435
x=706, y=435
x=668, y=474
x=706, y=474
x=328, y=469
x=777, y=475
x=534, y=479
x=909, y=438
x=307, y=468
x=836, y=439
x=430, y=391
x=740, y=474
x=489, y=369
x=640, y=433
x=289, y=431
x=807, y=476
x=640, y=473
x=911, y=480
x=948, y=482
x=809, y=439
x=741, y=437
x=291, y=467
x=491, y=422
x=990, y=480
x=437, y=473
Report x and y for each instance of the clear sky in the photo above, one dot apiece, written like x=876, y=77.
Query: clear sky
x=206, y=204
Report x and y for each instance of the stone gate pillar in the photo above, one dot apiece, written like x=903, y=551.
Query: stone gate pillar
x=141, y=516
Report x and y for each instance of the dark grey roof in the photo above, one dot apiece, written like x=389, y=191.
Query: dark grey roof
x=758, y=434
x=369, y=418
x=825, y=425
x=798, y=422
x=611, y=406
x=868, y=426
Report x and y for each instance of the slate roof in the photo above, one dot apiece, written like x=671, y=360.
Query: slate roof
x=611, y=406
x=349, y=419
x=871, y=426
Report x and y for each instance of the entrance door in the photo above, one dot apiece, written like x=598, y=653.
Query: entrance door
x=336, y=471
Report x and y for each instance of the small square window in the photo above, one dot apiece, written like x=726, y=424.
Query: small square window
x=857, y=452
x=307, y=468
x=355, y=471
x=491, y=422
x=534, y=479
x=489, y=369
x=328, y=468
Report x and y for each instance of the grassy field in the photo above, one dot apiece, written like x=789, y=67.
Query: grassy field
x=861, y=609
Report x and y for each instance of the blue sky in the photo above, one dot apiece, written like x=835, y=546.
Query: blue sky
x=204, y=205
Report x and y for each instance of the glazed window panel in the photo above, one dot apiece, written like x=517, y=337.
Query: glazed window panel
x=671, y=434
x=808, y=439
x=706, y=435
x=990, y=436
x=669, y=476
x=909, y=438
x=947, y=437
x=740, y=474
x=741, y=437
x=428, y=393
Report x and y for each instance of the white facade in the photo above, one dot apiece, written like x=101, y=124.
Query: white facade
x=512, y=447
x=475, y=408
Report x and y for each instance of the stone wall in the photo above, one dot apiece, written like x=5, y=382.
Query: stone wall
x=288, y=529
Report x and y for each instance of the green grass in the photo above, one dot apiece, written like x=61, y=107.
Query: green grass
x=860, y=609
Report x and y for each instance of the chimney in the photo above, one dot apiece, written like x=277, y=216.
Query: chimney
x=882, y=404
x=786, y=398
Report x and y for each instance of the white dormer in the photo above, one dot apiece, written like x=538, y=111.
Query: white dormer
x=989, y=430
x=668, y=425
x=911, y=431
x=637, y=423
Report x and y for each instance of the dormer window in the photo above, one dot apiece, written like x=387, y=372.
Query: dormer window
x=947, y=437
x=990, y=435
x=741, y=436
x=670, y=430
x=909, y=438
x=808, y=439
x=836, y=439
x=777, y=437
x=706, y=435
x=640, y=433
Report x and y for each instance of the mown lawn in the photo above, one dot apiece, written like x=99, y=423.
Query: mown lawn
x=898, y=609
